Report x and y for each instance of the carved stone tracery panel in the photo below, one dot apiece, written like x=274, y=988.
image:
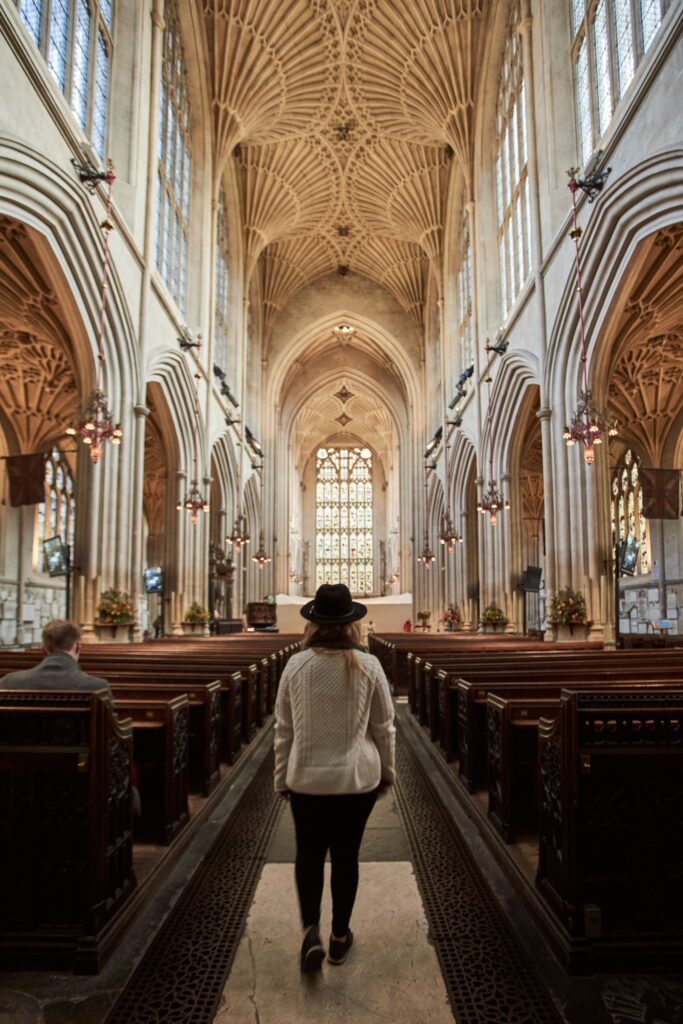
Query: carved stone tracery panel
x=38, y=390
x=645, y=392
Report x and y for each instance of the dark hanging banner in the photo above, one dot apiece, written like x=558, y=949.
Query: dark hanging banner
x=661, y=493
x=26, y=475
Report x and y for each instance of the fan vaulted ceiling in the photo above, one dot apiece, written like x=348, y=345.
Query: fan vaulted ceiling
x=345, y=116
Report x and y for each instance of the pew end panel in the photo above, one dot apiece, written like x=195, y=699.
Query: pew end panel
x=161, y=749
x=512, y=726
x=231, y=705
x=66, y=865
x=611, y=769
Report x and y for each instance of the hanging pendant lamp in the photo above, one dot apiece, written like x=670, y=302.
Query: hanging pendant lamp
x=427, y=556
x=96, y=424
x=492, y=501
x=260, y=556
x=193, y=501
x=588, y=426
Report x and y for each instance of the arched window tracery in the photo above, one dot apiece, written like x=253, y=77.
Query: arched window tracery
x=465, y=319
x=609, y=39
x=627, y=509
x=173, y=199
x=222, y=296
x=512, y=177
x=344, y=518
x=75, y=38
x=56, y=516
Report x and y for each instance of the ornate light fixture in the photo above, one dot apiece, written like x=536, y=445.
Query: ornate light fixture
x=492, y=501
x=449, y=536
x=261, y=557
x=427, y=556
x=239, y=537
x=193, y=500
x=588, y=425
x=96, y=423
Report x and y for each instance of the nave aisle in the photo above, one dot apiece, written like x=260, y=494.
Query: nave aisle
x=391, y=973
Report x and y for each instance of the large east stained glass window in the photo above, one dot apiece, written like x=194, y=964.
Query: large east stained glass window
x=173, y=200
x=56, y=516
x=75, y=38
x=343, y=514
x=609, y=39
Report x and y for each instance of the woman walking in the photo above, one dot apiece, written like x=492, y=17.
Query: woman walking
x=334, y=755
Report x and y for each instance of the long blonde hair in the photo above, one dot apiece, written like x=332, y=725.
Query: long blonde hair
x=341, y=634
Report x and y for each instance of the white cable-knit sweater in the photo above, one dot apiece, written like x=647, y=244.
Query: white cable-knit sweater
x=333, y=736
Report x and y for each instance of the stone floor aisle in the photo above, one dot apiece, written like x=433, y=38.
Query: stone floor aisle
x=391, y=974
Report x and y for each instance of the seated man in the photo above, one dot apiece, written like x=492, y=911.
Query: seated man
x=60, y=669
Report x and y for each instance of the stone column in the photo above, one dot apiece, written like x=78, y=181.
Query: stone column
x=505, y=554
x=138, y=441
x=178, y=596
x=550, y=571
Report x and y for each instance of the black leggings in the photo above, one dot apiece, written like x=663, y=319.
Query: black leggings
x=334, y=823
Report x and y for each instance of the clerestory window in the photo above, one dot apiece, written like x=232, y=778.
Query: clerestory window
x=75, y=38
x=344, y=518
x=173, y=200
x=465, y=320
x=512, y=175
x=609, y=39
x=222, y=297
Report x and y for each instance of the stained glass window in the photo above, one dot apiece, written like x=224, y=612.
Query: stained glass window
x=173, y=200
x=465, y=328
x=75, y=37
x=343, y=505
x=610, y=37
x=222, y=314
x=627, y=509
x=56, y=516
x=512, y=190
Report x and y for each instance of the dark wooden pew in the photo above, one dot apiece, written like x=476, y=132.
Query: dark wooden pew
x=609, y=869
x=473, y=693
x=204, y=736
x=65, y=828
x=191, y=658
x=160, y=750
x=440, y=683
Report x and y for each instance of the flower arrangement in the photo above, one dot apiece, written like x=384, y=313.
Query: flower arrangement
x=568, y=606
x=197, y=614
x=492, y=615
x=115, y=607
x=452, y=617
x=424, y=617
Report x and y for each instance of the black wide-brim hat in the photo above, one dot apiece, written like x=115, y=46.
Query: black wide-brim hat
x=332, y=604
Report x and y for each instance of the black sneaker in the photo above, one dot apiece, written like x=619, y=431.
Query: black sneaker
x=336, y=954
x=312, y=952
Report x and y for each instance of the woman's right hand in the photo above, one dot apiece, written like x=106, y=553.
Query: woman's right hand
x=383, y=788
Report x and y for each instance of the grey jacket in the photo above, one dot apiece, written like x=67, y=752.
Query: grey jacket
x=58, y=671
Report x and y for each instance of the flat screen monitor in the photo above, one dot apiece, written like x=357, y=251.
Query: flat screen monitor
x=531, y=580
x=154, y=580
x=627, y=556
x=55, y=556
